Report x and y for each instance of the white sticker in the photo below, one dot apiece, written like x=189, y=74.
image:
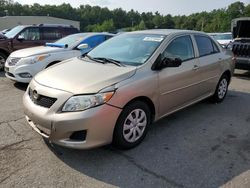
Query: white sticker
x=153, y=39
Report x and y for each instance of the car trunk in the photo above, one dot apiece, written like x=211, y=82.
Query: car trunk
x=241, y=29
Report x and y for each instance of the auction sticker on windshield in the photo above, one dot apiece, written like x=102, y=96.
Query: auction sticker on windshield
x=153, y=39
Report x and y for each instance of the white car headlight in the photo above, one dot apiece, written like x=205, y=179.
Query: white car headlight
x=38, y=58
x=83, y=102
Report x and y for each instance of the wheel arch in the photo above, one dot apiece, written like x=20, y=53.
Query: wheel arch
x=227, y=73
x=148, y=102
x=52, y=63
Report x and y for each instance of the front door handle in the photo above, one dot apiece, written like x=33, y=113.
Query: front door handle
x=195, y=67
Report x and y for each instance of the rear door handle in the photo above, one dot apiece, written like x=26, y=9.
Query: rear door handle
x=195, y=67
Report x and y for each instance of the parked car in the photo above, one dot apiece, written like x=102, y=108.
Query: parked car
x=223, y=38
x=241, y=44
x=24, y=36
x=119, y=88
x=23, y=65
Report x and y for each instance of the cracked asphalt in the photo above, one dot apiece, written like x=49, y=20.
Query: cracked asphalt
x=205, y=145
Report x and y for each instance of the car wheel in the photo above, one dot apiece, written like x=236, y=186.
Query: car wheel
x=132, y=125
x=221, y=89
x=3, y=58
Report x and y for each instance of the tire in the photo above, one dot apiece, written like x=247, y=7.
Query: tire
x=3, y=58
x=128, y=134
x=221, y=89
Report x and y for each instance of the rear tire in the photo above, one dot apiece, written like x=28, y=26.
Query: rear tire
x=221, y=89
x=3, y=58
x=132, y=125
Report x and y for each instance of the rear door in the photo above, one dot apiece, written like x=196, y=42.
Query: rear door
x=28, y=37
x=179, y=86
x=210, y=58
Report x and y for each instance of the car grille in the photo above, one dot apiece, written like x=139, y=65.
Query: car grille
x=13, y=61
x=41, y=100
x=241, y=49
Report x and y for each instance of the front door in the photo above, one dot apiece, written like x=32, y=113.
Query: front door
x=179, y=86
x=29, y=37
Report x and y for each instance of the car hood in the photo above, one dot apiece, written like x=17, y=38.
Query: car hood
x=79, y=77
x=36, y=51
x=224, y=41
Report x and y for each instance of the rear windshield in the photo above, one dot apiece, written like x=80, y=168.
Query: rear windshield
x=223, y=36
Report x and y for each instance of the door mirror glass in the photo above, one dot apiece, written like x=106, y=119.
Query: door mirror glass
x=82, y=46
x=169, y=62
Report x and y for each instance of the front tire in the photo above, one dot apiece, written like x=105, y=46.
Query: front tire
x=132, y=125
x=221, y=89
x=3, y=58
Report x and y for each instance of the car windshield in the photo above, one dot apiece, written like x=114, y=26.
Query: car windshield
x=13, y=32
x=223, y=37
x=71, y=40
x=129, y=49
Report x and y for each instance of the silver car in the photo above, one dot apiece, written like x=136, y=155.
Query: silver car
x=114, y=93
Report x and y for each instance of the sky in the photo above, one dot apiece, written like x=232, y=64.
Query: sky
x=173, y=7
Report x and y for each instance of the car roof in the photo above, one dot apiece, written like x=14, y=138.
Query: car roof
x=48, y=25
x=89, y=34
x=168, y=31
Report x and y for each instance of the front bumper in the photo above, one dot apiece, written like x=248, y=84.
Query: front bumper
x=14, y=72
x=98, y=122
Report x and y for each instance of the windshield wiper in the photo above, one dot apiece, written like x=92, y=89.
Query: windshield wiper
x=93, y=59
x=109, y=60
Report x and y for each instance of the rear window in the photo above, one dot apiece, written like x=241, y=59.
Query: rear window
x=51, y=33
x=205, y=45
x=70, y=30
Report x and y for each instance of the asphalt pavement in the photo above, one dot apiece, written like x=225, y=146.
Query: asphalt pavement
x=205, y=145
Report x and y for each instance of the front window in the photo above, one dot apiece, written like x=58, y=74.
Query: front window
x=30, y=34
x=13, y=32
x=129, y=49
x=181, y=47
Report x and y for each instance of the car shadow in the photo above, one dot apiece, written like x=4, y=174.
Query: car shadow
x=21, y=86
x=242, y=74
x=204, y=145
x=2, y=74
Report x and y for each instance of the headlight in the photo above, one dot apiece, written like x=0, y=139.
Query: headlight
x=83, y=102
x=38, y=58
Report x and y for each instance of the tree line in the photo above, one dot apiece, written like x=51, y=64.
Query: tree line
x=98, y=19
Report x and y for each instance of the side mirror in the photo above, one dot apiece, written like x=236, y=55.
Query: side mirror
x=166, y=62
x=20, y=37
x=169, y=62
x=82, y=46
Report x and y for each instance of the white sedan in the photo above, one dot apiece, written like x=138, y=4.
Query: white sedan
x=23, y=65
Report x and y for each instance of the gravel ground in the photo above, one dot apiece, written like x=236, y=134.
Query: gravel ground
x=205, y=145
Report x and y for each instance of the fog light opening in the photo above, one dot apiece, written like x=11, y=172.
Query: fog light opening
x=25, y=75
x=78, y=136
